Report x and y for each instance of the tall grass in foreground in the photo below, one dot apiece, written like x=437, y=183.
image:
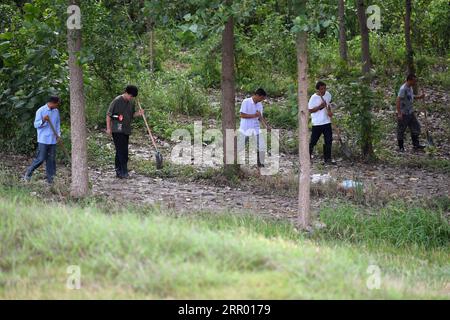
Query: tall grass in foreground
x=397, y=224
x=152, y=255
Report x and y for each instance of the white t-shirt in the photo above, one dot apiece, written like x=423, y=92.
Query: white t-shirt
x=320, y=117
x=250, y=127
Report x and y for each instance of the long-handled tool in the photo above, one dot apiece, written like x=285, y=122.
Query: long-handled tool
x=59, y=140
x=158, y=155
x=430, y=141
x=345, y=149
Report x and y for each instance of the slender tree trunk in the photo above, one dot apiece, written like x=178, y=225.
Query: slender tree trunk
x=228, y=96
x=151, y=43
x=80, y=180
x=343, y=49
x=303, y=115
x=367, y=145
x=409, y=48
x=365, y=45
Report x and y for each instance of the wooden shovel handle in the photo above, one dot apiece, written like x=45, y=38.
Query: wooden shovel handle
x=60, y=140
x=148, y=128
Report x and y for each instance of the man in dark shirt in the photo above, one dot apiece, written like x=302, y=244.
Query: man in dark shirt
x=118, y=124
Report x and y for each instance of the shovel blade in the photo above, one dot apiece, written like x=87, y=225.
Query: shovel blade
x=159, y=160
x=346, y=150
x=430, y=140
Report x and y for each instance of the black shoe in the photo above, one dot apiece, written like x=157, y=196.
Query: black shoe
x=401, y=150
x=419, y=147
x=330, y=162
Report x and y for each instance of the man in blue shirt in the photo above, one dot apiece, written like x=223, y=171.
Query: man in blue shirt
x=46, y=138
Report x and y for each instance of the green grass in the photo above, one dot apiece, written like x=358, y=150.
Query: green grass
x=396, y=224
x=144, y=253
x=421, y=162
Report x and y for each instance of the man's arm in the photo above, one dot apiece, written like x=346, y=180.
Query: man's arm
x=318, y=108
x=108, y=124
x=39, y=121
x=109, y=114
x=138, y=113
x=250, y=116
x=399, y=111
x=422, y=96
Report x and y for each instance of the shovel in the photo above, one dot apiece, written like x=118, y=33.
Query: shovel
x=430, y=141
x=158, y=155
x=60, y=140
x=344, y=146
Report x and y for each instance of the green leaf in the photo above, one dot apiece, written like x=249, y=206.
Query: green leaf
x=194, y=28
x=6, y=36
x=326, y=23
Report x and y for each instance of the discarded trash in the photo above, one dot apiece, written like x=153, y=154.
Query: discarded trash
x=320, y=178
x=350, y=184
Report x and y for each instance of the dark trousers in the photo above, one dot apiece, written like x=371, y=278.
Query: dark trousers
x=408, y=121
x=260, y=154
x=327, y=132
x=121, y=143
x=47, y=153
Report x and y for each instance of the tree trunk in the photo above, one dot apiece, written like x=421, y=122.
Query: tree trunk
x=342, y=35
x=365, y=46
x=80, y=180
x=228, y=97
x=303, y=115
x=409, y=48
x=151, y=44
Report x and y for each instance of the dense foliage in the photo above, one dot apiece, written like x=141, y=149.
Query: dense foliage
x=187, y=53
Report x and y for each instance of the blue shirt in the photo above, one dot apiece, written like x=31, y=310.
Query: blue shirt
x=44, y=131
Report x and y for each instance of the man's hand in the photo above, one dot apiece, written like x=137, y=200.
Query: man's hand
x=400, y=116
x=46, y=118
x=140, y=112
x=109, y=132
x=58, y=139
x=329, y=112
x=422, y=96
x=258, y=115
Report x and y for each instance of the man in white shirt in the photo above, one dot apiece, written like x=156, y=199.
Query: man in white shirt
x=251, y=114
x=319, y=108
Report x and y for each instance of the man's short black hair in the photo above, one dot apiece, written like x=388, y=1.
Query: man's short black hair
x=54, y=99
x=411, y=76
x=132, y=90
x=260, y=92
x=320, y=84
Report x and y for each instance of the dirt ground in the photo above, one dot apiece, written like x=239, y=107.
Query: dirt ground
x=257, y=195
x=274, y=196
